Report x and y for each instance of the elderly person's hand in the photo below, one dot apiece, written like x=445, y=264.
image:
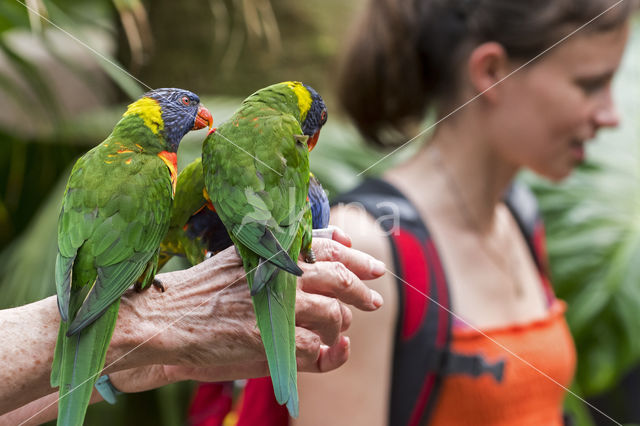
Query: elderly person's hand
x=203, y=326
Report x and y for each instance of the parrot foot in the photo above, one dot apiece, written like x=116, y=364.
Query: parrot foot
x=310, y=256
x=158, y=285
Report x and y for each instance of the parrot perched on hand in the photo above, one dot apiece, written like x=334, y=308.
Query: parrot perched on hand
x=196, y=231
x=115, y=212
x=256, y=172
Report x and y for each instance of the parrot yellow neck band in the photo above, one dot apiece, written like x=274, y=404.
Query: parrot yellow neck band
x=149, y=110
x=304, y=98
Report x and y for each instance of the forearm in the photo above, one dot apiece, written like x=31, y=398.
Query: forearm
x=45, y=408
x=27, y=340
x=149, y=330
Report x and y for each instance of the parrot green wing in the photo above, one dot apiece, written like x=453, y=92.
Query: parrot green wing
x=106, y=289
x=265, y=215
x=263, y=243
x=63, y=273
x=107, y=236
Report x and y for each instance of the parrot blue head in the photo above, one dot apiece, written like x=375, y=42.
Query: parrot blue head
x=180, y=112
x=315, y=118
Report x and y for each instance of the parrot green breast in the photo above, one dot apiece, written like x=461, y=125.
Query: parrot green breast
x=190, y=194
x=190, y=198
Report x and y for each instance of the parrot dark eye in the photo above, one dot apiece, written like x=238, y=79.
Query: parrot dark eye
x=186, y=100
x=323, y=116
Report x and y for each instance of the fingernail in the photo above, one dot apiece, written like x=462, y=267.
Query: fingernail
x=378, y=267
x=376, y=299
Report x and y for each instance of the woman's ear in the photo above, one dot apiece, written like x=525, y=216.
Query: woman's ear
x=488, y=64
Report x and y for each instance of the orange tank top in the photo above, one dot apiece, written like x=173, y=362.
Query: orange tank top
x=524, y=396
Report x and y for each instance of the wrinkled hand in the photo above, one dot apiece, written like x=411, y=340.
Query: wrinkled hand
x=203, y=326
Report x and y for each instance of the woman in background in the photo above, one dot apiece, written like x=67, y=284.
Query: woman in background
x=513, y=85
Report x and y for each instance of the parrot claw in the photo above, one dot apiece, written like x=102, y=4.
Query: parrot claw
x=310, y=256
x=158, y=285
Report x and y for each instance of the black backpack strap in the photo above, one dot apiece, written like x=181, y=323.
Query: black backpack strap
x=422, y=356
x=473, y=365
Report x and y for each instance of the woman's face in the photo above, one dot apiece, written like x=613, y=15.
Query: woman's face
x=550, y=108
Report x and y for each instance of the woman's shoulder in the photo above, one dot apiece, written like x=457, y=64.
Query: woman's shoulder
x=364, y=230
x=353, y=213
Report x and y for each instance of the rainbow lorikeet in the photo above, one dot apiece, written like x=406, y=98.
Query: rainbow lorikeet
x=256, y=171
x=115, y=213
x=196, y=231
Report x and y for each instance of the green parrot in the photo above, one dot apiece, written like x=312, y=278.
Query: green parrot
x=115, y=212
x=196, y=231
x=256, y=171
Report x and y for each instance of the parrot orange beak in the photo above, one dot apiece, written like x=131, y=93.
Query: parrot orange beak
x=313, y=140
x=203, y=119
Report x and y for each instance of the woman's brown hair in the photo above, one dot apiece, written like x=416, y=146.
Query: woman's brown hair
x=404, y=55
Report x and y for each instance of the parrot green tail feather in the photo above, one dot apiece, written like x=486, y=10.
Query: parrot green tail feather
x=273, y=310
x=79, y=373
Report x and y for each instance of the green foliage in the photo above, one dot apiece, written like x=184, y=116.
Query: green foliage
x=27, y=172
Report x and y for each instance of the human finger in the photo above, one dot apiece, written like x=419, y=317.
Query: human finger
x=340, y=236
x=328, y=357
x=325, y=316
x=366, y=267
x=334, y=279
